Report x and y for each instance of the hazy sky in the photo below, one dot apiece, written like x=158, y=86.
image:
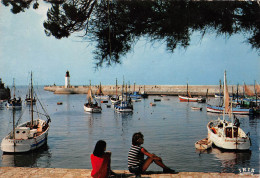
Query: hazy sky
x=24, y=47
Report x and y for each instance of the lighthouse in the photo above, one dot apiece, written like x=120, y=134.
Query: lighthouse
x=67, y=80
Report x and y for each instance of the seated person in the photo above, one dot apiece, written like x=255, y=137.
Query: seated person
x=136, y=162
x=100, y=161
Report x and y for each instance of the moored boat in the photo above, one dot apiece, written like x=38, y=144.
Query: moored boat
x=225, y=134
x=92, y=105
x=196, y=108
x=29, y=135
x=235, y=110
x=189, y=98
x=203, y=144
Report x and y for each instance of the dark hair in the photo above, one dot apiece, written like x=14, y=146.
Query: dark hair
x=135, y=138
x=99, y=149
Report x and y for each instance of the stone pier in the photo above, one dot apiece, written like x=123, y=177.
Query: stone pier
x=175, y=90
x=18, y=172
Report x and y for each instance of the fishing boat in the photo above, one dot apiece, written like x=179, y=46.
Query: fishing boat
x=92, y=105
x=14, y=103
x=203, y=144
x=225, y=134
x=125, y=105
x=235, y=110
x=30, y=135
x=99, y=95
x=189, y=98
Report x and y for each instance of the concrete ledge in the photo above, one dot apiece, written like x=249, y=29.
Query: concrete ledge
x=78, y=173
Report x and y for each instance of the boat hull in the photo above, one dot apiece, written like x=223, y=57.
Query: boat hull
x=203, y=144
x=124, y=107
x=219, y=109
x=92, y=109
x=189, y=99
x=9, y=145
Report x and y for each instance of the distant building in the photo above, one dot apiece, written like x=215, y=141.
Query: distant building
x=67, y=80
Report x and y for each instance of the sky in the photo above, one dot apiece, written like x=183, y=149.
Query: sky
x=24, y=47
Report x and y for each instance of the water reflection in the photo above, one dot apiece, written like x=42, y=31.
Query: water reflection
x=39, y=158
x=230, y=160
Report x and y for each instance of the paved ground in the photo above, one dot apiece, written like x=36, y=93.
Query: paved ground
x=20, y=172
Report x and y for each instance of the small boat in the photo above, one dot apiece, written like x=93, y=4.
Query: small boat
x=152, y=104
x=136, y=100
x=203, y=144
x=189, y=98
x=59, y=103
x=196, y=108
x=92, y=105
x=99, y=95
x=28, y=136
x=192, y=99
x=156, y=99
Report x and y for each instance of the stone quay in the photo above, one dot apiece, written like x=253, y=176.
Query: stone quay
x=174, y=90
x=18, y=172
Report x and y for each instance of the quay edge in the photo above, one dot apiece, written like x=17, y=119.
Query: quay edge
x=61, y=172
x=174, y=90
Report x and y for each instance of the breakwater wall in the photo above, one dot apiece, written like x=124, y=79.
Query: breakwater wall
x=196, y=90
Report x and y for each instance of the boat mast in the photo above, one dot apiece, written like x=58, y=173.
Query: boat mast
x=187, y=89
x=224, y=100
x=116, y=88
x=31, y=98
x=237, y=93
x=14, y=87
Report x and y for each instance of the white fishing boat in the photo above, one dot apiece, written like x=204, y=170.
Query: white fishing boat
x=92, y=105
x=203, y=144
x=29, y=135
x=189, y=98
x=225, y=134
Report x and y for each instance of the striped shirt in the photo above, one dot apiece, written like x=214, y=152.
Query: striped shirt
x=135, y=156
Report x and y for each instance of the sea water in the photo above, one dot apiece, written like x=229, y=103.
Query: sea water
x=170, y=130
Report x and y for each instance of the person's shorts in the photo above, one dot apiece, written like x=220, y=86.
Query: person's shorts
x=136, y=169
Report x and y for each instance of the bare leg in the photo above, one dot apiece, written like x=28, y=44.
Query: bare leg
x=149, y=161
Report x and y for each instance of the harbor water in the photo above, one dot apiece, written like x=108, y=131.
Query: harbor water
x=170, y=130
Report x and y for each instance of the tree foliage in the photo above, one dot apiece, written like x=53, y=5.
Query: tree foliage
x=115, y=26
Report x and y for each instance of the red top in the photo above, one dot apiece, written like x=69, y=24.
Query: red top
x=100, y=165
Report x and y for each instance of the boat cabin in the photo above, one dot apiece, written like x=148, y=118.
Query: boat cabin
x=228, y=132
